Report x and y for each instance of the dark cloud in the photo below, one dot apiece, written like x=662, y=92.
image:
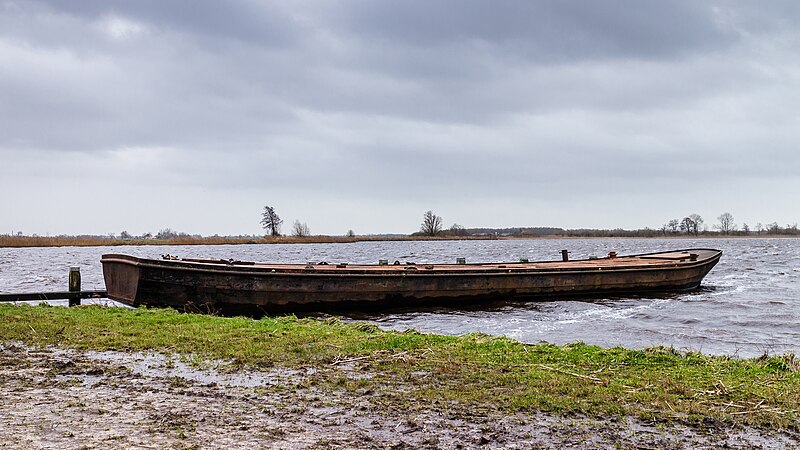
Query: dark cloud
x=571, y=107
x=542, y=30
x=258, y=23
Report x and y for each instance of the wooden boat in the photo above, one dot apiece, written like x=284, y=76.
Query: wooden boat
x=238, y=287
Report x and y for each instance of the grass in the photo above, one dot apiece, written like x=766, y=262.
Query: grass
x=476, y=371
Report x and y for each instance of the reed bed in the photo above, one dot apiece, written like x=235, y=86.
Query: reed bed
x=97, y=241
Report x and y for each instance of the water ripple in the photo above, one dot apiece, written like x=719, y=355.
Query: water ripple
x=749, y=304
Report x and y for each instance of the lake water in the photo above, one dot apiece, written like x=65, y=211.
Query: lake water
x=749, y=304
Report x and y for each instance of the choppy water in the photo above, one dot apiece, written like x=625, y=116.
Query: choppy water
x=749, y=304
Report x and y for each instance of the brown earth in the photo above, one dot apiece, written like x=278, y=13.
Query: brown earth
x=54, y=398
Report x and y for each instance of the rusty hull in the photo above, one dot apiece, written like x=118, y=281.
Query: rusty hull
x=235, y=287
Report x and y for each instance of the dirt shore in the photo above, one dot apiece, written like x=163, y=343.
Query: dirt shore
x=55, y=398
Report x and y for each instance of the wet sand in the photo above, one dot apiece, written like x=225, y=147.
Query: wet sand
x=54, y=398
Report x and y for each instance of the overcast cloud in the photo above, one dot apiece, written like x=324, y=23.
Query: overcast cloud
x=362, y=115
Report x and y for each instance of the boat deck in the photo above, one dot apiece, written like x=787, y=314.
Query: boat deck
x=664, y=259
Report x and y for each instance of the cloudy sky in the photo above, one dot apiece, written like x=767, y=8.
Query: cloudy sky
x=361, y=114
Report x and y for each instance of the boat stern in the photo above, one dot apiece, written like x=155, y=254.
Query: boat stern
x=121, y=274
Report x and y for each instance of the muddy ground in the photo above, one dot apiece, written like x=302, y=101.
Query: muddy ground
x=54, y=398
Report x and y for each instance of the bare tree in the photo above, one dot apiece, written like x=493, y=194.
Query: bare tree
x=698, y=223
x=773, y=228
x=673, y=225
x=759, y=228
x=271, y=221
x=746, y=229
x=351, y=233
x=688, y=225
x=300, y=229
x=431, y=224
x=726, y=224
x=458, y=230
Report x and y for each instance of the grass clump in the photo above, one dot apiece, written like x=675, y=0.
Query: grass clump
x=475, y=370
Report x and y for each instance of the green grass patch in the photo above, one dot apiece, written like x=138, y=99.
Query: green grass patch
x=412, y=370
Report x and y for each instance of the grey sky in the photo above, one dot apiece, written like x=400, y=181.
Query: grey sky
x=364, y=114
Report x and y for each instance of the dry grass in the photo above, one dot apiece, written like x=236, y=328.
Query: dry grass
x=96, y=241
x=89, y=241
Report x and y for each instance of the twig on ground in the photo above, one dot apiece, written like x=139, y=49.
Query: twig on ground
x=566, y=372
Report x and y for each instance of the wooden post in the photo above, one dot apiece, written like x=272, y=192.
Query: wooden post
x=564, y=255
x=75, y=285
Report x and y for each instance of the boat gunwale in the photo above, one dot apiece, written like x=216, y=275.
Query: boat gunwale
x=491, y=269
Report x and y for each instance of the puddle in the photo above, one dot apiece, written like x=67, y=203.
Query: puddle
x=156, y=365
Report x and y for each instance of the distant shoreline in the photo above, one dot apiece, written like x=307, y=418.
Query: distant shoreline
x=77, y=241
x=70, y=241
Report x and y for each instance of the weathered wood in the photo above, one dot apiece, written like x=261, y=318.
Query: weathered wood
x=33, y=296
x=75, y=285
x=74, y=294
x=231, y=287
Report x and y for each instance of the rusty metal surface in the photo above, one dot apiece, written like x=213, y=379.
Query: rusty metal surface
x=232, y=287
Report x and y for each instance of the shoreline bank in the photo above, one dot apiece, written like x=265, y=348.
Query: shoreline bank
x=423, y=373
x=64, y=398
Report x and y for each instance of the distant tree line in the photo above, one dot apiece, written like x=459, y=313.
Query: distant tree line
x=163, y=234
x=432, y=226
x=774, y=228
x=690, y=225
x=726, y=225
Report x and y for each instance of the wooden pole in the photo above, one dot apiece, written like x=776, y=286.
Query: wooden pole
x=75, y=285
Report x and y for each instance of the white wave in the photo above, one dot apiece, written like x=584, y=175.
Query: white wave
x=737, y=288
x=609, y=312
